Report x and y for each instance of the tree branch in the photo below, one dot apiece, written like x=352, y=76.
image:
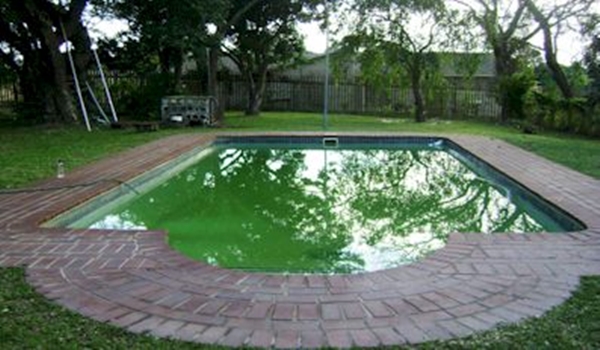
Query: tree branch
x=466, y=4
x=514, y=24
x=234, y=57
x=236, y=16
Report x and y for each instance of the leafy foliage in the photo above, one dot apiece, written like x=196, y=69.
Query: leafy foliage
x=548, y=108
x=592, y=64
x=263, y=40
x=515, y=89
x=127, y=54
x=256, y=33
x=31, y=34
x=141, y=102
x=389, y=50
x=159, y=29
x=508, y=28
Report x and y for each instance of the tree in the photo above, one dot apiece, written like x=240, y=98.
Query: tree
x=127, y=54
x=506, y=28
x=263, y=40
x=235, y=10
x=176, y=31
x=552, y=17
x=30, y=41
x=509, y=27
x=167, y=31
x=384, y=38
x=592, y=63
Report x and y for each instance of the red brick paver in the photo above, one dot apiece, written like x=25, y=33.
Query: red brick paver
x=134, y=280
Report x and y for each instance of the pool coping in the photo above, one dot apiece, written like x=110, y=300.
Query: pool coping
x=134, y=280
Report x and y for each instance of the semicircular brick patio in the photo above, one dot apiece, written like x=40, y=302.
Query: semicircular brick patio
x=134, y=280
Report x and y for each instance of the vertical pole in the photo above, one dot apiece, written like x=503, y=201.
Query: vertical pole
x=105, y=84
x=77, y=87
x=326, y=94
x=208, y=72
x=96, y=103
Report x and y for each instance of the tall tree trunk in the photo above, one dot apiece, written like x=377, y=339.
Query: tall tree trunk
x=258, y=92
x=44, y=75
x=177, y=69
x=83, y=44
x=505, y=68
x=60, y=94
x=415, y=81
x=171, y=68
x=556, y=70
x=164, y=60
x=33, y=108
x=213, y=82
x=550, y=53
x=252, y=91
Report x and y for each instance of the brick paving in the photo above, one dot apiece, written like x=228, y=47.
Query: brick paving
x=134, y=280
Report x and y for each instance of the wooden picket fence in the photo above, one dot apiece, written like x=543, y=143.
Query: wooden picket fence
x=8, y=93
x=305, y=94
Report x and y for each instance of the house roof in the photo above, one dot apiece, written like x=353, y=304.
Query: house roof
x=456, y=64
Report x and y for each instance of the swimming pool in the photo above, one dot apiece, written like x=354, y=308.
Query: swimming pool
x=308, y=204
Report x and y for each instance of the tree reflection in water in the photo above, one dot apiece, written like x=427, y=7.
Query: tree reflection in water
x=329, y=211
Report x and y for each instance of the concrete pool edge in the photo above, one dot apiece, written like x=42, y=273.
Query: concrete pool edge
x=133, y=280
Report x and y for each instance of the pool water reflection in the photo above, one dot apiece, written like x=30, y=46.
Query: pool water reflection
x=323, y=210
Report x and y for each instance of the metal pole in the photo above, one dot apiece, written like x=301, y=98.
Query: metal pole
x=77, y=87
x=105, y=84
x=95, y=100
x=208, y=72
x=326, y=94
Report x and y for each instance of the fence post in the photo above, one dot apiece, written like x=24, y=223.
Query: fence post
x=15, y=87
x=364, y=98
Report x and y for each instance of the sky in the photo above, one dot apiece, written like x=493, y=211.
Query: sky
x=570, y=46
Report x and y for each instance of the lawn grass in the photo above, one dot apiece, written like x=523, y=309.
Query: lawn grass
x=30, y=154
x=27, y=320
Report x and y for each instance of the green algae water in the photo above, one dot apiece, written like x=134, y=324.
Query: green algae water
x=303, y=210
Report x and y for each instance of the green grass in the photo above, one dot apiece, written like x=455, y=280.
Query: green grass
x=572, y=325
x=580, y=154
x=30, y=154
x=27, y=320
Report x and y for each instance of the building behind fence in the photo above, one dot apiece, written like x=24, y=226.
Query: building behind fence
x=305, y=94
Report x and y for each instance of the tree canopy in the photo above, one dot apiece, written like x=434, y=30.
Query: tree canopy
x=265, y=39
x=394, y=40
x=509, y=27
x=387, y=46
x=31, y=35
